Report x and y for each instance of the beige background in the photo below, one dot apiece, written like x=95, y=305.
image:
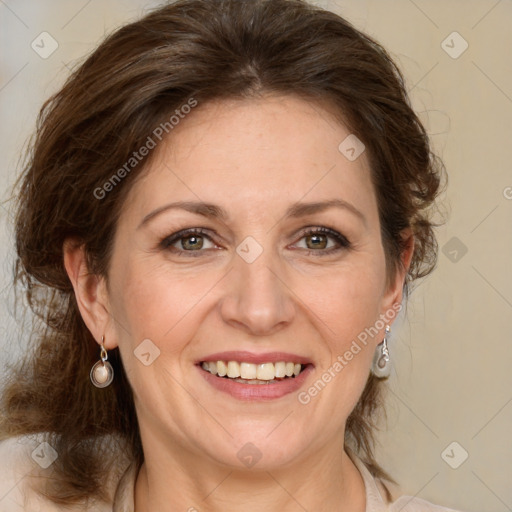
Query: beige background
x=452, y=380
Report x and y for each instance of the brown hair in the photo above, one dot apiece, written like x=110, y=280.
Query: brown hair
x=136, y=79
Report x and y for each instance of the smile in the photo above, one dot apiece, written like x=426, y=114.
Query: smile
x=250, y=373
x=259, y=381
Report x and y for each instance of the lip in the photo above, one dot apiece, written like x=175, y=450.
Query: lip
x=256, y=392
x=251, y=357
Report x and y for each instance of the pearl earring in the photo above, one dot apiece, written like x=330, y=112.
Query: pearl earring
x=381, y=365
x=102, y=373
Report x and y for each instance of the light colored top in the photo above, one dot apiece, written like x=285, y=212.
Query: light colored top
x=24, y=458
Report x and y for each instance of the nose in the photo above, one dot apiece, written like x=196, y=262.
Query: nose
x=257, y=299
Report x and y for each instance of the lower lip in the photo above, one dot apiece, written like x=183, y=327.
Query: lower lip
x=253, y=392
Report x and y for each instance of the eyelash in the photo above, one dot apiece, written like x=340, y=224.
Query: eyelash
x=342, y=241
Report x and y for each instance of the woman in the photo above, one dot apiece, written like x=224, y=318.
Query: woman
x=222, y=212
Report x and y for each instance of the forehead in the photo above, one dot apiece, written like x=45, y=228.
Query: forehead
x=254, y=153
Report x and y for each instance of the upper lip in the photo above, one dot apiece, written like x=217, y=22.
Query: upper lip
x=251, y=357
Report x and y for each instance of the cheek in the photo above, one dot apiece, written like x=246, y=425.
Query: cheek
x=153, y=302
x=347, y=306
x=347, y=300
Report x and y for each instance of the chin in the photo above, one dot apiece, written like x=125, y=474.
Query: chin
x=259, y=450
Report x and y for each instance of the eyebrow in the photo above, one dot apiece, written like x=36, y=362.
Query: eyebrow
x=210, y=210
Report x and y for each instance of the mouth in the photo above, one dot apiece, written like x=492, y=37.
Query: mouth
x=252, y=377
x=254, y=374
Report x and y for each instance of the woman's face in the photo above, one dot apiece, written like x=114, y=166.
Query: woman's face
x=288, y=267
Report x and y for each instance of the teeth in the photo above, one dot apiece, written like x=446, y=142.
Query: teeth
x=266, y=371
x=280, y=369
x=233, y=369
x=222, y=368
x=252, y=373
x=247, y=371
x=254, y=381
x=212, y=367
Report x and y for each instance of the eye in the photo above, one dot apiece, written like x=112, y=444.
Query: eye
x=188, y=240
x=320, y=241
x=317, y=240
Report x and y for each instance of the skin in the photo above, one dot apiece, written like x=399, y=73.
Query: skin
x=254, y=158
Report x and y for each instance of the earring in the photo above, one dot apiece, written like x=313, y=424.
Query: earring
x=102, y=373
x=381, y=365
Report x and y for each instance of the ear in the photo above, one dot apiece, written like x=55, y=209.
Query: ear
x=394, y=294
x=90, y=292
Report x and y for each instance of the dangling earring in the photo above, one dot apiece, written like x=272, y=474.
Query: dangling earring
x=102, y=373
x=381, y=365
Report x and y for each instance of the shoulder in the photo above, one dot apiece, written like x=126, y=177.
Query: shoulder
x=402, y=503
x=25, y=462
x=412, y=504
x=382, y=495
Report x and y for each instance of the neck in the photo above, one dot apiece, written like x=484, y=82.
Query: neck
x=174, y=479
